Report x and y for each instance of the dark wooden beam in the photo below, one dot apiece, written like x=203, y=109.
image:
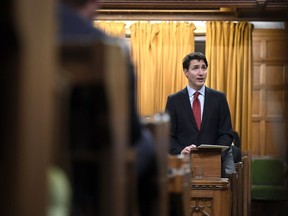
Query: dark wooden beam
x=262, y=10
x=192, y=4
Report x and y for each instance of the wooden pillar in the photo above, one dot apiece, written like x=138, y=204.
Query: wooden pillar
x=29, y=72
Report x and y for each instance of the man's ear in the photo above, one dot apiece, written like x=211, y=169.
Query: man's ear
x=185, y=72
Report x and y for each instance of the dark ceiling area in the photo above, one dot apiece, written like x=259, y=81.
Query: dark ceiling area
x=256, y=10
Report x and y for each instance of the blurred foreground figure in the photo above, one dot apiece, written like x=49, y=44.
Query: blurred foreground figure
x=75, y=26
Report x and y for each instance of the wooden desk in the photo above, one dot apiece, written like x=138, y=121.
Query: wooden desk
x=210, y=194
x=210, y=197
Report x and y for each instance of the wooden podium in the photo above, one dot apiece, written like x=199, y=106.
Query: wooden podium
x=210, y=194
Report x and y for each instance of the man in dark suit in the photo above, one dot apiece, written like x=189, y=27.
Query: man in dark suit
x=215, y=122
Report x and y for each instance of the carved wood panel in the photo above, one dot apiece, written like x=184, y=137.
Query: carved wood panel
x=211, y=199
x=202, y=206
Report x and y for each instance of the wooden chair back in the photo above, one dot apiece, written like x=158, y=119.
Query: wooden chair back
x=233, y=178
x=179, y=185
x=159, y=126
x=237, y=190
x=93, y=112
x=247, y=182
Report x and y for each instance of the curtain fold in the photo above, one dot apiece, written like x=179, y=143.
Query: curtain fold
x=229, y=54
x=157, y=51
x=116, y=29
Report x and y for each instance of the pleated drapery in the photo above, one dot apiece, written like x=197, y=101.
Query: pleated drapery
x=157, y=52
x=229, y=55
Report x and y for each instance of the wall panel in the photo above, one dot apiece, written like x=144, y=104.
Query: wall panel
x=269, y=113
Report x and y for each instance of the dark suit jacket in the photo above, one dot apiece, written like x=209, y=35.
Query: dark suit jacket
x=216, y=124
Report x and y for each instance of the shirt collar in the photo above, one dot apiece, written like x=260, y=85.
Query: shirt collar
x=191, y=91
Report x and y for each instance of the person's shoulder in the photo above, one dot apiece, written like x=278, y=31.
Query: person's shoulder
x=214, y=92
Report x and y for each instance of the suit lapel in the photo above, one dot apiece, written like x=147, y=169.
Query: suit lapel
x=187, y=106
x=207, y=104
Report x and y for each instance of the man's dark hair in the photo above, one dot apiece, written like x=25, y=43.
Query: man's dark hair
x=195, y=55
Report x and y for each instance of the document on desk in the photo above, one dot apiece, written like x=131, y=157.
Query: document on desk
x=207, y=146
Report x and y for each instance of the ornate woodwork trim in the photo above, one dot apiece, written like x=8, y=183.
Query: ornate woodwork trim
x=257, y=10
x=202, y=206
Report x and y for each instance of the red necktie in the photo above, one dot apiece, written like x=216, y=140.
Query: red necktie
x=197, y=110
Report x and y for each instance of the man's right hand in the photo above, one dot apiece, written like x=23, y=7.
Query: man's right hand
x=188, y=149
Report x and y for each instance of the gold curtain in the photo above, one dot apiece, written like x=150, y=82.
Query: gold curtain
x=157, y=51
x=229, y=55
x=116, y=29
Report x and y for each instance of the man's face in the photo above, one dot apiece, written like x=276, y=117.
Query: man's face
x=196, y=74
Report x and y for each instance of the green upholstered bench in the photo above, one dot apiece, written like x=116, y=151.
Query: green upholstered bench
x=269, y=177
